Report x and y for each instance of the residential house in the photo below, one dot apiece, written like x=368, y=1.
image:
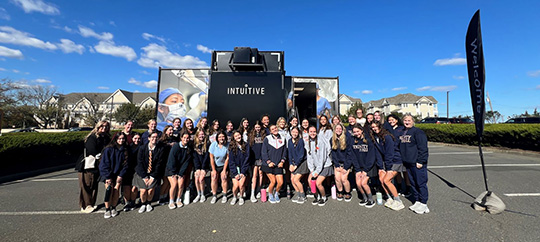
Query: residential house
x=421, y=106
x=346, y=102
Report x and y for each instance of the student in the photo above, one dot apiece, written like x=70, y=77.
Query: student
x=149, y=160
x=293, y=123
x=202, y=124
x=213, y=131
x=283, y=131
x=256, y=138
x=341, y=157
x=319, y=164
x=367, y=124
x=379, y=117
x=177, y=164
x=304, y=131
x=128, y=190
x=94, y=142
x=167, y=142
x=397, y=129
x=113, y=166
x=128, y=131
x=265, y=121
x=188, y=128
x=352, y=123
x=238, y=166
x=325, y=130
x=219, y=161
x=201, y=160
x=360, y=117
x=298, y=165
x=176, y=129
x=363, y=160
x=389, y=163
x=274, y=155
x=244, y=129
x=152, y=124
x=335, y=120
x=414, y=152
x=229, y=128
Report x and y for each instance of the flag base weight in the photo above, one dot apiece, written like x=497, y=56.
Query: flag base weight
x=488, y=201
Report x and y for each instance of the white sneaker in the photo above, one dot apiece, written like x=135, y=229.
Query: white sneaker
x=203, y=198
x=142, y=209
x=421, y=209
x=172, y=205
x=397, y=205
x=107, y=214
x=224, y=199
x=88, y=209
x=197, y=198
x=414, y=206
x=214, y=199
x=253, y=199
x=114, y=212
x=389, y=202
x=149, y=208
x=258, y=195
x=241, y=201
x=233, y=201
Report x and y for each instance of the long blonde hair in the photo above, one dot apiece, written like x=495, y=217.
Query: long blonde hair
x=342, y=144
x=96, y=129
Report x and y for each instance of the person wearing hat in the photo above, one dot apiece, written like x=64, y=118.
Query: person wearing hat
x=170, y=106
x=323, y=106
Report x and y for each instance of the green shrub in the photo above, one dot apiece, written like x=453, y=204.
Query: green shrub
x=521, y=136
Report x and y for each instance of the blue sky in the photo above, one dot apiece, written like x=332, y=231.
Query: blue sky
x=377, y=49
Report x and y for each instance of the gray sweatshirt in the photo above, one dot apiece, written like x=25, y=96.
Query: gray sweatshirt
x=317, y=159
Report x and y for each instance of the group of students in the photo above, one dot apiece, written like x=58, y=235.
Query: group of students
x=264, y=155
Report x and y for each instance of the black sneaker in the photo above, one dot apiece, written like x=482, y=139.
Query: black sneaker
x=362, y=202
x=315, y=201
x=322, y=201
x=370, y=204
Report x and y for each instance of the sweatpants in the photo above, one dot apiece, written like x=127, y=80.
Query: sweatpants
x=88, y=184
x=418, y=178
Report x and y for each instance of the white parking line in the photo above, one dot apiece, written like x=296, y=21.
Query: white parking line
x=479, y=165
x=522, y=194
x=54, y=179
x=459, y=153
x=47, y=212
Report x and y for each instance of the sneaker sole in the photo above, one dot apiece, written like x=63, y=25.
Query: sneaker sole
x=370, y=206
x=348, y=200
x=399, y=207
x=320, y=205
x=422, y=212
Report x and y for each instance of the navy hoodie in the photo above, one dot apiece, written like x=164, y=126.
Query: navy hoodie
x=343, y=157
x=274, y=149
x=256, y=148
x=387, y=153
x=296, y=153
x=363, y=158
x=201, y=161
x=240, y=159
x=413, y=146
x=179, y=159
x=114, y=162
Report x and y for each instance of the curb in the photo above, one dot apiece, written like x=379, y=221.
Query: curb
x=494, y=149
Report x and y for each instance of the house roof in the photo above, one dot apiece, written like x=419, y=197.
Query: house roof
x=100, y=97
x=353, y=99
x=399, y=99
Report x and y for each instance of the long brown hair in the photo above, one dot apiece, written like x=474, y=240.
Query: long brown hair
x=327, y=126
x=253, y=133
x=233, y=146
x=114, y=143
x=383, y=132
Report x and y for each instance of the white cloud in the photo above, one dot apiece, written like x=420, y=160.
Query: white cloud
x=15, y=71
x=456, y=61
x=148, y=36
x=88, y=32
x=11, y=53
x=42, y=81
x=12, y=36
x=4, y=14
x=103, y=88
x=137, y=91
x=110, y=48
x=458, y=77
x=533, y=73
x=204, y=49
x=68, y=46
x=112, y=23
x=37, y=6
x=437, y=88
x=3, y=69
x=398, y=88
x=68, y=29
x=367, y=92
x=356, y=92
x=145, y=72
x=156, y=55
x=149, y=84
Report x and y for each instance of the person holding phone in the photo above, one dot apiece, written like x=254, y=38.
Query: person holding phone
x=238, y=166
x=113, y=166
